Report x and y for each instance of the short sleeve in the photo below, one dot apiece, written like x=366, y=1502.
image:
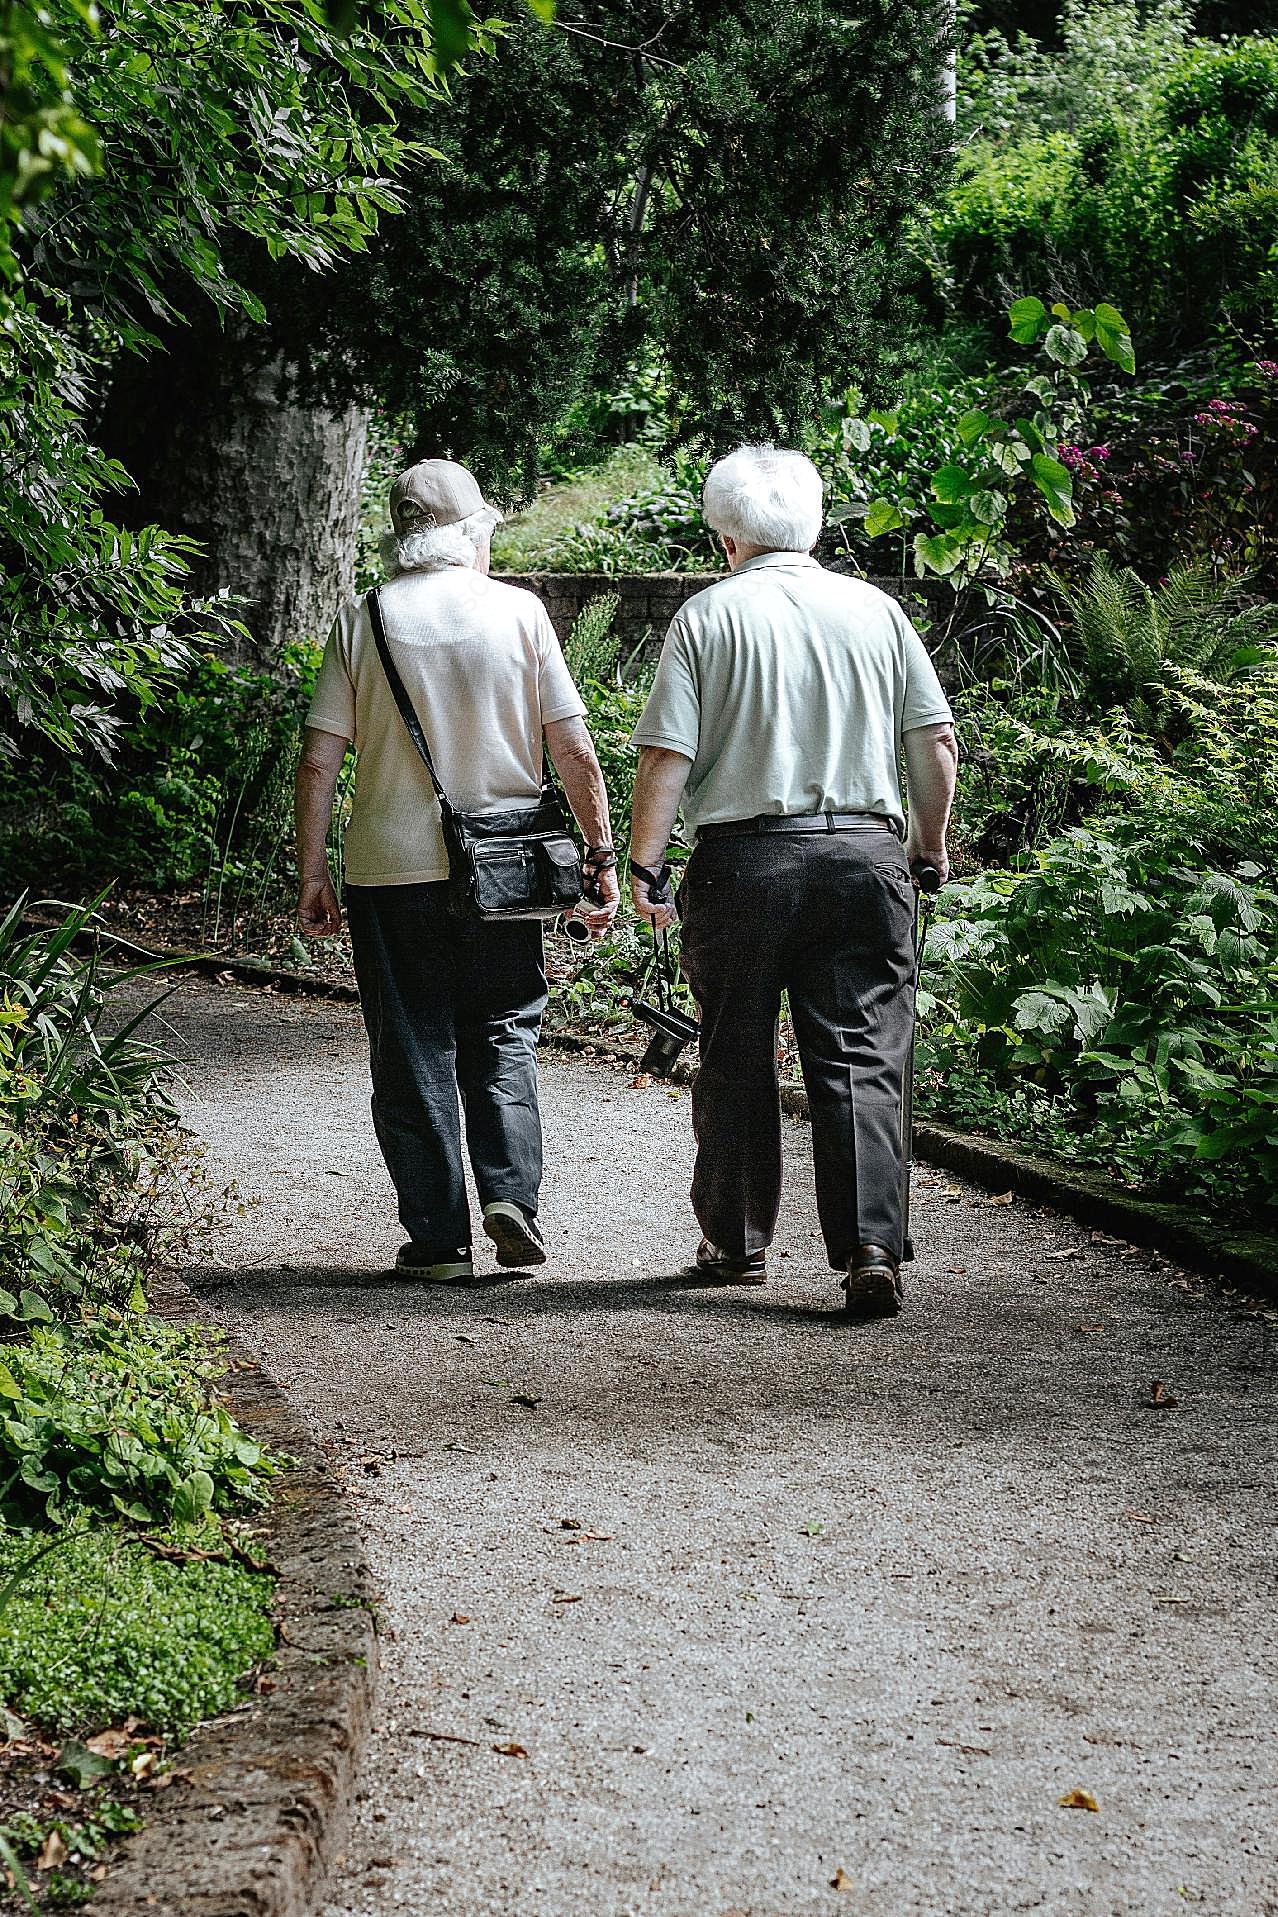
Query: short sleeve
x=556, y=691
x=672, y=717
x=332, y=707
x=925, y=704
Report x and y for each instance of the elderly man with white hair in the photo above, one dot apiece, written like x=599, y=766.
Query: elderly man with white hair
x=452, y=1005
x=783, y=702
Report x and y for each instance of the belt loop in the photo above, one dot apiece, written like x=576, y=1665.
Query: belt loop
x=829, y=821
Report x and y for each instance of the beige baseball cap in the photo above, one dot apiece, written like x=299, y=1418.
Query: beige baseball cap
x=435, y=492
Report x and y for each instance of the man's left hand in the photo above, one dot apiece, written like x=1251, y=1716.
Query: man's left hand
x=597, y=914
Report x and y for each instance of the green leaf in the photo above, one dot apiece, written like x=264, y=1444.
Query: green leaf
x=988, y=506
x=1066, y=346
x=1028, y=317
x=1030, y=434
x=856, y=433
x=882, y=516
x=193, y=1498
x=1053, y=481
x=939, y=553
x=949, y=516
x=34, y=1309
x=1114, y=337
x=973, y=425
x=9, y=1386
x=950, y=484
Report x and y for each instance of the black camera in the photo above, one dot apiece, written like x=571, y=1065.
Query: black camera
x=671, y=1031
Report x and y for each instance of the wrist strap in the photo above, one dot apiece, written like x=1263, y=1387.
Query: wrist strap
x=656, y=882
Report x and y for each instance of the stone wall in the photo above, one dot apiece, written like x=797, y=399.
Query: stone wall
x=650, y=600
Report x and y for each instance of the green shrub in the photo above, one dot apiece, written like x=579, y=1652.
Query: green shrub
x=103, y=1629
x=115, y=1417
x=197, y=793
x=88, y=1133
x=1163, y=197
x=1118, y=1005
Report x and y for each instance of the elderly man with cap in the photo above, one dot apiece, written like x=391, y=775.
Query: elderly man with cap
x=451, y=1005
x=783, y=701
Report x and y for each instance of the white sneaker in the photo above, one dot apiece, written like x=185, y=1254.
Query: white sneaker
x=515, y=1234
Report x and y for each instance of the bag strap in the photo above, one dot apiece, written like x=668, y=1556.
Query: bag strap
x=407, y=711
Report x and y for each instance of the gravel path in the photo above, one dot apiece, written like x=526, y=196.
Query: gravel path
x=702, y=1603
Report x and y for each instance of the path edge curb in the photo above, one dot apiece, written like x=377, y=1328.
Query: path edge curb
x=271, y=1783
x=1245, y=1259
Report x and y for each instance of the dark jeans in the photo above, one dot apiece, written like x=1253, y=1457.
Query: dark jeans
x=450, y=1006
x=828, y=917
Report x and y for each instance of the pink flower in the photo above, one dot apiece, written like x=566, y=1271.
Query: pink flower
x=1098, y=452
x=1222, y=405
x=1269, y=367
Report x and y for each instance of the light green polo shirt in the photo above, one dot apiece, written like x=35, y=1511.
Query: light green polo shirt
x=789, y=688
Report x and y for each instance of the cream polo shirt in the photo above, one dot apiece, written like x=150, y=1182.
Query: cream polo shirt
x=485, y=672
x=789, y=688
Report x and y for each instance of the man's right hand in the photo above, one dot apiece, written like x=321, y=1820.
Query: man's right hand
x=935, y=856
x=658, y=916
x=318, y=913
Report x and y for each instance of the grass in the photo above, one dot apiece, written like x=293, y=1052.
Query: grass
x=527, y=542
x=102, y=1630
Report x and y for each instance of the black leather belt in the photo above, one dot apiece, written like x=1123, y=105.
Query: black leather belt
x=797, y=822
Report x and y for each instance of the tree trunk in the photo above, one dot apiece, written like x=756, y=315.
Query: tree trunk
x=269, y=488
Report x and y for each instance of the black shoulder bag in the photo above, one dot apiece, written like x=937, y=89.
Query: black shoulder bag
x=522, y=863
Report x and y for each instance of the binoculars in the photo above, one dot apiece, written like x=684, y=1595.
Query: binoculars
x=672, y=1031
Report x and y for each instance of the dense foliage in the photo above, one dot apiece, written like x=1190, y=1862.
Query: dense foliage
x=682, y=183
x=1138, y=164
x=216, y=134
x=88, y=1131
x=116, y=1418
x=103, y=1630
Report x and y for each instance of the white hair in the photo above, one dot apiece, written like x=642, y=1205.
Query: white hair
x=431, y=548
x=765, y=496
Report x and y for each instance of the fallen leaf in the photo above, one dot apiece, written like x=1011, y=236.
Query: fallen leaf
x=562, y=1597
x=1078, y=1800
x=1139, y=1517
x=640, y=1082
x=1160, y=1398
x=108, y=1744
x=459, y=1617
x=98, y=1874
x=960, y=1271
x=144, y=1764
x=510, y=1750
x=999, y=1198
x=840, y=1880
x=570, y=1524
x=53, y=1852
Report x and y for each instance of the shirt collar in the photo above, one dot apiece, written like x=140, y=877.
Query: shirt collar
x=778, y=559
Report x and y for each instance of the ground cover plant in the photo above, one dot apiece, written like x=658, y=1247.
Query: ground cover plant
x=128, y=1589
